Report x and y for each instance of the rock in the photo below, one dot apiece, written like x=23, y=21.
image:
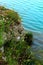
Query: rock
x=18, y=38
x=2, y=49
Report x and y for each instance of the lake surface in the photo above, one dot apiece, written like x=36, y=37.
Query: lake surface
x=31, y=12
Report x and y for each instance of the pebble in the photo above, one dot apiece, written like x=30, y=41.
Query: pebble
x=18, y=38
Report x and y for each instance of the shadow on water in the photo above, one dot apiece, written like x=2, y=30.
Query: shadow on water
x=37, y=47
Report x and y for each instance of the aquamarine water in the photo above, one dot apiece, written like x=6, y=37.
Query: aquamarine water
x=31, y=12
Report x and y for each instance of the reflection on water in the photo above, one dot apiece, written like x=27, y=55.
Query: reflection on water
x=31, y=12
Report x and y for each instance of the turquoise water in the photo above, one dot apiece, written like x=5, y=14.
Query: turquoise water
x=31, y=12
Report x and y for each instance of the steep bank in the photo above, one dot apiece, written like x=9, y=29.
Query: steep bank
x=14, y=40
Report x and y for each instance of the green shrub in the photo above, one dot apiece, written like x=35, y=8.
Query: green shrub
x=28, y=38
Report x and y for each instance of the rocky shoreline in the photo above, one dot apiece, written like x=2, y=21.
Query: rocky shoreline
x=15, y=42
